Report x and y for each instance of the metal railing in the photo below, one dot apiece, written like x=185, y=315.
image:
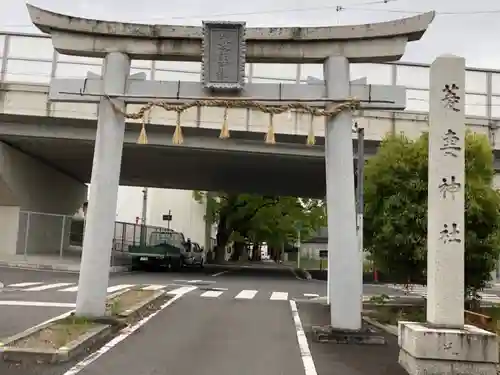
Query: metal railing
x=30, y=58
x=54, y=236
x=128, y=234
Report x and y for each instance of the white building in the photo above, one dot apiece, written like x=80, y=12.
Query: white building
x=188, y=215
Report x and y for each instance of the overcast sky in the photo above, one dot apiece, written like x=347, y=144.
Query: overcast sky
x=474, y=36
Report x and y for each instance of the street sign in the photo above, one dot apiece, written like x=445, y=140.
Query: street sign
x=167, y=217
x=224, y=55
x=323, y=254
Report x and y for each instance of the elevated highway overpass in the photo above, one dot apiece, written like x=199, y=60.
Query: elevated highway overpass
x=61, y=134
x=47, y=147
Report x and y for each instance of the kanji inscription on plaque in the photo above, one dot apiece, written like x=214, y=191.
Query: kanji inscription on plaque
x=223, y=55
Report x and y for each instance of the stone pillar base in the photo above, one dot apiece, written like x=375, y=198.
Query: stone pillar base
x=365, y=336
x=447, y=351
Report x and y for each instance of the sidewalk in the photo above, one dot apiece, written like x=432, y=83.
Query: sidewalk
x=50, y=263
x=348, y=359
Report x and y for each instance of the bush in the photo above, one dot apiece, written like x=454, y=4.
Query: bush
x=395, y=227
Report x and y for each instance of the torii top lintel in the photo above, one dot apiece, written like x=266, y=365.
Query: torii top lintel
x=377, y=42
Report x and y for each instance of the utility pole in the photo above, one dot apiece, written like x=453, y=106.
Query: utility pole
x=360, y=184
x=144, y=215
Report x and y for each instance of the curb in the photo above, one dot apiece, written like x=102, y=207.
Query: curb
x=301, y=274
x=105, y=328
x=63, y=354
x=393, y=330
x=55, y=267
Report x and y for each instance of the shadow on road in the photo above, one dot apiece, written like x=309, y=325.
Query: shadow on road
x=258, y=270
x=348, y=359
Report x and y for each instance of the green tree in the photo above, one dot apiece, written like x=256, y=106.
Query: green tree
x=251, y=218
x=395, y=227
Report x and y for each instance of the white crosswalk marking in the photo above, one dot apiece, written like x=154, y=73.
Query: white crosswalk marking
x=154, y=287
x=279, y=296
x=246, y=294
x=22, y=285
x=47, y=287
x=212, y=294
x=70, y=289
x=181, y=290
x=116, y=288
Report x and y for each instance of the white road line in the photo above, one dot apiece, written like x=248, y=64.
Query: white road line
x=279, y=296
x=188, y=281
x=116, y=288
x=181, y=291
x=311, y=295
x=70, y=289
x=22, y=285
x=126, y=332
x=246, y=294
x=305, y=353
x=154, y=287
x=36, y=304
x=47, y=287
x=212, y=294
x=219, y=273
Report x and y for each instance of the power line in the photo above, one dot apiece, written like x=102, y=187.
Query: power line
x=479, y=12
x=336, y=8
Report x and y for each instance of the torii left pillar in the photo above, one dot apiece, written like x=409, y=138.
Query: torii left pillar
x=345, y=263
x=104, y=183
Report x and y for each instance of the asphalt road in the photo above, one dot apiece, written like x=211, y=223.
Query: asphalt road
x=348, y=359
x=208, y=331
x=234, y=279
x=209, y=338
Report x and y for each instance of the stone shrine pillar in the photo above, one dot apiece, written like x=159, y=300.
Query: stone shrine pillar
x=104, y=183
x=345, y=263
x=444, y=345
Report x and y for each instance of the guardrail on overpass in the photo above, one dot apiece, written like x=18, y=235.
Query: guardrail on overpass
x=28, y=62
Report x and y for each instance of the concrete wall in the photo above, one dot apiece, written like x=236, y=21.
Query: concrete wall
x=187, y=214
x=42, y=194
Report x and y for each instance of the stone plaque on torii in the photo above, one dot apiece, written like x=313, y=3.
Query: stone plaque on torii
x=231, y=45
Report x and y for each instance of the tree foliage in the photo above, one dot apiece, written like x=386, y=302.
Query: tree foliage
x=395, y=227
x=251, y=218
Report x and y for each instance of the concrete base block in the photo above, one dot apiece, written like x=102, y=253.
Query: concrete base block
x=428, y=350
x=366, y=336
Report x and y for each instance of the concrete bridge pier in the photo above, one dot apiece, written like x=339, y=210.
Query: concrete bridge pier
x=28, y=184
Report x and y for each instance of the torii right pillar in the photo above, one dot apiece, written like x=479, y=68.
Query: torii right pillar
x=444, y=345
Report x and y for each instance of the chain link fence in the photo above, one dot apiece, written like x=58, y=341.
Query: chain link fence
x=60, y=237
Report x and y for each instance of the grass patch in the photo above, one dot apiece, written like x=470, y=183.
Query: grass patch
x=485, y=317
x=393, y=314
x=72, y=336
x=127, y=300
x=56, y=335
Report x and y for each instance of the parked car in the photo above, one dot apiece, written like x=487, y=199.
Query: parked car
x=194, y=255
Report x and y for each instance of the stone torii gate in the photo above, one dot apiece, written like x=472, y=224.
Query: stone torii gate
x=224, y=48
